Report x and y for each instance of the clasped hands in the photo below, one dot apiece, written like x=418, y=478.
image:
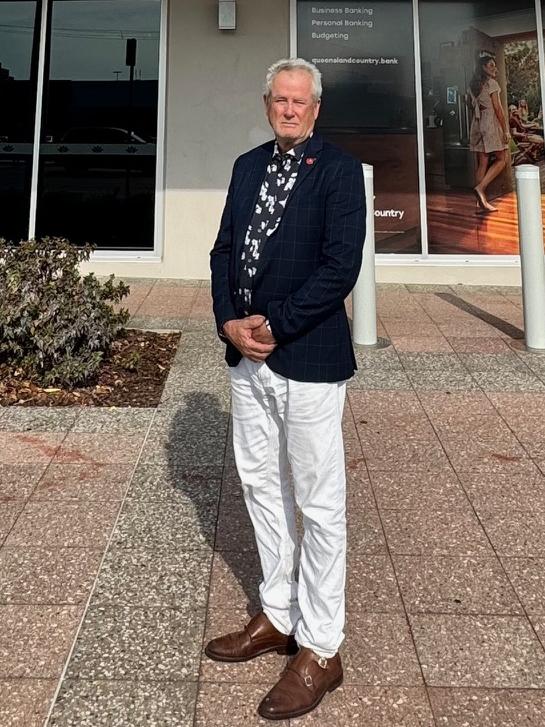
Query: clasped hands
x=251, y=336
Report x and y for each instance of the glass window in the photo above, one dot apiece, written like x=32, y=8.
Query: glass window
x=99, y=130
x=19, y=41
x=480, y=76
x=366, y=55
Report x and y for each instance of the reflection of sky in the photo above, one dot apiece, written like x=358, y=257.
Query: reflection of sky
x=88, y=39
x=16, y=23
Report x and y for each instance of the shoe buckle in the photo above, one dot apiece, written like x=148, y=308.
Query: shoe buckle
x=322, y=661
x=308, y=681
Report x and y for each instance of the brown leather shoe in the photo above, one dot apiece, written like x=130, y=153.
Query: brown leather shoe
x=302, y=685
x=258, y=637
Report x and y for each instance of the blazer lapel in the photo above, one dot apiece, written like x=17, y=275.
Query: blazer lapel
x=309, y=162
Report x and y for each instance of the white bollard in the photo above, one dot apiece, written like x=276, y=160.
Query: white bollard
x=364, y=300
x=532, y=259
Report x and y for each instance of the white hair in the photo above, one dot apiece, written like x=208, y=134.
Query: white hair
x=294, y=64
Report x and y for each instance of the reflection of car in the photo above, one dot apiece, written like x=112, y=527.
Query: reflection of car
x=100, y=135
x=84, y=148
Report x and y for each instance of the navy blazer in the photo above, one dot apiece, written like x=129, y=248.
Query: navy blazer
x=307, y=267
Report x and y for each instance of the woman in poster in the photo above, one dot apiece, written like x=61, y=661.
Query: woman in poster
x=489, y=134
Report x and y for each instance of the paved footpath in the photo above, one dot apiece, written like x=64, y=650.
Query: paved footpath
x=125, y=546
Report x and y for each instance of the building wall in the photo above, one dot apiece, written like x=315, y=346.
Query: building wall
x=214, y=112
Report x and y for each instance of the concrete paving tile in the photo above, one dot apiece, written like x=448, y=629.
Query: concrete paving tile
x=507, y=380
x=497, y=454
x=35, y=640
x=431, y=362
x=9, y=512
x=439, y=380
x=528, y=578
x=485, y=426
x=139, y=291
x=85, y=703
x=168, y=307
x=200, y=324
x=29, y=447
x=359, y=706
x=182, y=525
x=202, y=447
x=372, y=379
x=230, y=705
x=408, y=490
x=487, y=707
x=370, y=429
x=434, y=532
x=523, y=412
x=83, y=482
x=235, y=580
x=515, y=532
x=463, y=344
x=492, y=362
x=440, y=405
x=458, y=328
x=17, y=481
x=455, y=585
x=410, y=455
x=538, y=622
x=25, y=702
x=199, y=413
x=371, y=585
x=38, y=419
x=139, y=644
x=111, y=420
x=513, y=405
x=154, y=578
x=102, y=448
x=62, y=576
x=415, y=344
x=264, y=671
x=515, y=491
x=179, y=283
x=359, y=495
x=164, y=484
x=403, y=327
x=478, y=651
x=365, y=535
x=234, y=529
x=377, y=358
x=379, y=651
x=64, y=524
x=158, y=323
x=179, y=387
x=375, y=405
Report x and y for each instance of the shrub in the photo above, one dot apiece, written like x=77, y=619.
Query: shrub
x=55, y=325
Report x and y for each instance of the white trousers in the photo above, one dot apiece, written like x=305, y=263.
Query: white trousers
x=280, y=424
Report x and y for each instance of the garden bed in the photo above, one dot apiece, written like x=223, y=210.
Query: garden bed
x=133, y=375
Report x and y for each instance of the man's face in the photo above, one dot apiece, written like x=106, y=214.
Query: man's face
x=291, y=108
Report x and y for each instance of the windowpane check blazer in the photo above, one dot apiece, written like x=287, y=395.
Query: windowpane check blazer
x=307, y=267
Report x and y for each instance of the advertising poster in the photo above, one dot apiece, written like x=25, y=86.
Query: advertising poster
x=475, y=54
x=365, y=52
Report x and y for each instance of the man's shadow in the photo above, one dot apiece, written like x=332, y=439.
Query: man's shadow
x=201, y=467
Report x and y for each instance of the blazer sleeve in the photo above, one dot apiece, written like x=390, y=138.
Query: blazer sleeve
x=327, y=287
x=220, y=259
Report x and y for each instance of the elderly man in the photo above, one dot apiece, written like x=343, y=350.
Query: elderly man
x=287, y=254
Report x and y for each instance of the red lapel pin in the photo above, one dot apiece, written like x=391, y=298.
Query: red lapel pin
x=310, y=160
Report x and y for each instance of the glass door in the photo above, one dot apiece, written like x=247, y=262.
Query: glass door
x=19, y=47
x=480, y=74
x=366, y=55
x=99, y=129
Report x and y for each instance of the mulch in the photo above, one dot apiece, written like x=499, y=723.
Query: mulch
x=133, y=375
